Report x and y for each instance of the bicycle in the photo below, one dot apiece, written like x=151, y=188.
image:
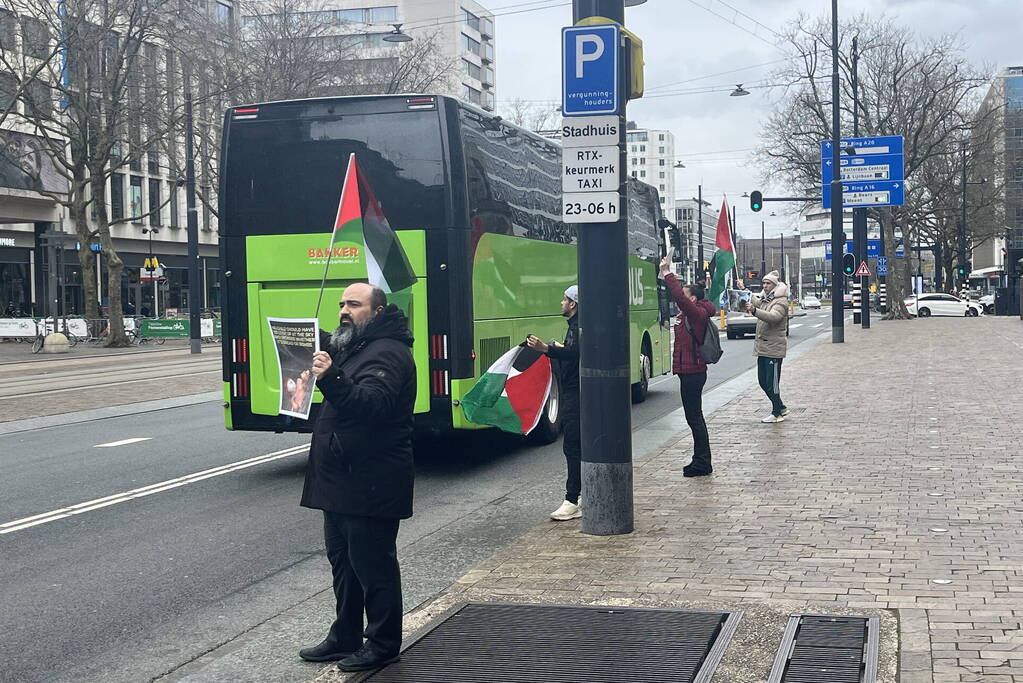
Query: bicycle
x=40, y=339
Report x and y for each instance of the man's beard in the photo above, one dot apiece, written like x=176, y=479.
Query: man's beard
x=344, y=334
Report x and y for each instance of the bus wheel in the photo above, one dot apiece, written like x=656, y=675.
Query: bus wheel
x=640, y=388
x=547, y=430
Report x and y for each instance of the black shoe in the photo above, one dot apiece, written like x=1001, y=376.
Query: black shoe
x=691, y=471
x=366, y=659
x=327, y=651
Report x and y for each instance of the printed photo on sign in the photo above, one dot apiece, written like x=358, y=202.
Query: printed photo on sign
x=296, y=340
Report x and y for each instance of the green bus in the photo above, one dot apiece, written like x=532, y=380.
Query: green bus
x=476, y=203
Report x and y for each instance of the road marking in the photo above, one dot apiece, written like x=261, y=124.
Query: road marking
x=110, y=384
x=88, y=506
x=795, y=326
x=819, y=325
x=123, y=442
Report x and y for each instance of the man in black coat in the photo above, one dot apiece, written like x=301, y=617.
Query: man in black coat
x=360, y=473
x=567, y=357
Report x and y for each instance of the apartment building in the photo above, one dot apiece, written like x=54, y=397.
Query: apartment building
x=652, y=159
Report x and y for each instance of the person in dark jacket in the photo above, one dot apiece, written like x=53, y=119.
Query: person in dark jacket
x=567, y=357
x=360, y=474
x=694, y=316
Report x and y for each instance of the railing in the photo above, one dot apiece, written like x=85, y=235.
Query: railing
x=79, y=329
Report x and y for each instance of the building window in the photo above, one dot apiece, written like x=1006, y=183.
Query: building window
x=662, y=175
x=663, y=162
x=635, y=161
x=643, y=161
x=662, y=198
x=472, y=95
x=35, y=38
x=8, y=29
x=222, y=13
x=642, y=148
x=642, y=174
x=172, y=192
x=486, y=27
x=154, y=202
x=135, y=198
x=382, y=15
x=116, y=196
x=661, y=188
x=660, y=150
x=472, y=70
x=489, y=101
x=660, y=137
x=488, y=76
x=471, y=45
x=153, y=162
x=470, y=19
x=488, y=52
x=38, y=99
x=354, y=16
x=634, y=174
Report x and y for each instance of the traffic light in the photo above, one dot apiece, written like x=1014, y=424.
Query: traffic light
x=756, y=200
x=963, y=270
x=752, y=274
x=849, y=264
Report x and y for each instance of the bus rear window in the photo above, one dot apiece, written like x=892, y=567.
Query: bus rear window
x=285, y=176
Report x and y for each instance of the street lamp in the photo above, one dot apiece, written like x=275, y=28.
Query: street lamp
x=679, y=164
x=397, y=35
x=739, y=91
x=799, y=266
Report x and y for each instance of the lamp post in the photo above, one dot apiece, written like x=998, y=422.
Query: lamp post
x=799, y=266
x=699, y=237
x=963, y=261
x=783, y=257
x=763, y=252
x=837, y=229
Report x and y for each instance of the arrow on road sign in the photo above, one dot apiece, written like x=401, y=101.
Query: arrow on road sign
x=862, y=270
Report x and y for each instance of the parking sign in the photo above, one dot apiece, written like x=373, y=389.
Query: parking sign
x=589, y=70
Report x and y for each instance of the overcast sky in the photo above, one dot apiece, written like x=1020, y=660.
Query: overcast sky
x=692, y=40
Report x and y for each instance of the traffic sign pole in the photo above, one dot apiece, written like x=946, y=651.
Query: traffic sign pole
x=604, y=363
x=837, y=232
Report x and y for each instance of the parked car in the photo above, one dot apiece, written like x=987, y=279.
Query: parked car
x=739, y=324
x=987, y=302
x=847, y=301
x=938, y=303
x=811, y=301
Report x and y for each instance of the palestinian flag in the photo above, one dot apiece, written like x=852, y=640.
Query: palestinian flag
x=512, y=393
x=360, y=219
x=724, y=257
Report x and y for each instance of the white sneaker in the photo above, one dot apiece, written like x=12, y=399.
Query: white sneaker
x=773, y=418
x=784, y=412
x=567, y=511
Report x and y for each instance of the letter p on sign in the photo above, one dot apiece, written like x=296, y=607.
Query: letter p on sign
x=581, y=54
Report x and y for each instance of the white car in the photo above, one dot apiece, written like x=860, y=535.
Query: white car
x=987, y=302
x=811, y=302
x=939, y=303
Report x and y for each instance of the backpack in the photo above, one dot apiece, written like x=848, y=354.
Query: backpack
x=710, y=348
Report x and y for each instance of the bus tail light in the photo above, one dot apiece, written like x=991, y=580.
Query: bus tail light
x=245, y=113
x=240, y=351
x=440, y=383
x=439, y=346
x=416, y=103
x=241, y=385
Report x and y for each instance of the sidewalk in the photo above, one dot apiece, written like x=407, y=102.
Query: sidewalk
x=897, y=466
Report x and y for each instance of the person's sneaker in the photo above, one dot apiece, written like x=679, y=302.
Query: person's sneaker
x=366, y=659
x=784, y=412
x=773, y=418
x=690, y=471
x=568, y=511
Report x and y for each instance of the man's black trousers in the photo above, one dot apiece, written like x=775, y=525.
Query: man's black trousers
x=691, y=386
x=572, y=445
x=364, y=560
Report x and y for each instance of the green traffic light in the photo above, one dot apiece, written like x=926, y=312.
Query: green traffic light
x=756, y=200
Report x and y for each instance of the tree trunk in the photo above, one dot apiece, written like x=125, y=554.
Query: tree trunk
x=115, y=266
x=896, y=276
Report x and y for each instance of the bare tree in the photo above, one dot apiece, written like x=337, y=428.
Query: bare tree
x=922, y=89
x=536, y=116
x=86, y=81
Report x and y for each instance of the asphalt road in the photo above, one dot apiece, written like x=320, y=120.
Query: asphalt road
x=102, y=578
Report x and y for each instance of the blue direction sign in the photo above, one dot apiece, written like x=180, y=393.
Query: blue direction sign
x=875, y=193
x=589, y=70
x=865, y=168
x=884, y=144
x=882, y=265
x=873, y=248
x=872, y=171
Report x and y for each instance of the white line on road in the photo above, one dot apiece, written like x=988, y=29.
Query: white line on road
x=43, y=518
x=795, y=325
x=123, y=442
x=819, y=325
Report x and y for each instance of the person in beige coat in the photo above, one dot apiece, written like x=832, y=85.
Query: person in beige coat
x=771, y=308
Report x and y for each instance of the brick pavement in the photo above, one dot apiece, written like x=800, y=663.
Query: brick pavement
x=898, y=466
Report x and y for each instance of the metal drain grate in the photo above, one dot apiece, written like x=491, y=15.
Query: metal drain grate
x=511, y=643
x=835, y=649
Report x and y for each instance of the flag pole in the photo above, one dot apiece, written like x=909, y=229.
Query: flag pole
x=333, y=234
